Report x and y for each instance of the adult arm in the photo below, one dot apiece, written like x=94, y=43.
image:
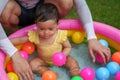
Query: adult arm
x=21, y=66
x=9, y=49
x=86, y=19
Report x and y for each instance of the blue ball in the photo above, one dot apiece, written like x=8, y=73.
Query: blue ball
x=104, y=42
x=113, y=68
x=102, y=73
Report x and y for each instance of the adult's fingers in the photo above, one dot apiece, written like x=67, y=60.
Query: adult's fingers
x=20, y=77
x=102, y=54
x=92, y=55
x=25, y=76
x=30, y=75
x=107, y=54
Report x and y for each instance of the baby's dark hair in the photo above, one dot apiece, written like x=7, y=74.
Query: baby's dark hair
x=46, y=11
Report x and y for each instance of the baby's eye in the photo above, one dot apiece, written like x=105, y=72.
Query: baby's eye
x=51, y=29
x=41, y=29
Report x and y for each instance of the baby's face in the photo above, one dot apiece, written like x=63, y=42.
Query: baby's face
x=46, y=29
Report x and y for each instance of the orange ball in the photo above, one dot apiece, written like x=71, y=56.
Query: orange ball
x=28, y=47
x=7, y=59
x=9, y=67
x=49, y=75
x=116, y=57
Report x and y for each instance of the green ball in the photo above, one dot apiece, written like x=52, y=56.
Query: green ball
x=76, y=78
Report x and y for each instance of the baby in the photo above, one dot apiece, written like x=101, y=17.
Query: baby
x=49, y=40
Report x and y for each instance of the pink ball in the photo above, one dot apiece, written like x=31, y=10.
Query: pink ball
x=117, y=77
x=59, y=58
x=87, y=73
x=24, y=54
x=99, y=58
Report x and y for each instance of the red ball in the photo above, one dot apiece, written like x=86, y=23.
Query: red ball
x=116, y=57
x=9, y=67
x=28, y=47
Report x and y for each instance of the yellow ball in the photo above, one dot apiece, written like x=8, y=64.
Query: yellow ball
x=19, y=47
x=77, y=37
x=12, y=76
x=83, y=32
x=70, y=32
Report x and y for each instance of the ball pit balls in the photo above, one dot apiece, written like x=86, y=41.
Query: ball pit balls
x=70, y=32
x=116, y=57
x=24, y=54
x=12, y=76
x=7, y=59
x=28, y=47
x=103, y=42
x=19, y=47
x=117, y=77
x=102, y=73
x=59, y=58
x=87, y=73
x=76, y=78
x=99, y=58
x=113, y=68
x=9, y=67
x=77, y=37
x=49, y=75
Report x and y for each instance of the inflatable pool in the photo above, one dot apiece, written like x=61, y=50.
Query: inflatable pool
x=80, y=52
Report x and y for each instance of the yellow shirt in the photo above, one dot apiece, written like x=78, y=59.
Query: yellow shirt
x=48, y=50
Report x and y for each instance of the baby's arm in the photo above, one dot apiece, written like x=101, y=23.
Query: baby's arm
x=66, y=47
x=19, y=40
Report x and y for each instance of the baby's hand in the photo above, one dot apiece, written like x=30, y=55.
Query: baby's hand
x=95, y=47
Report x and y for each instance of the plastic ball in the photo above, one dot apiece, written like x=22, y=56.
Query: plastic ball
x=19, y=47
x=28, y=47
x=83, y=32
x=9, y=67
x=12, y=76
x=103, y=42
x=49, y=75
x=87, y=73
x=59, y=58
x=99, y=59
x=76, y=78
x=116, y=57
x=77, y=37
x=102, y=73
x=70, y=32
x=7, y=59
x=117, y=77
x=24, y=54
x=113, y=67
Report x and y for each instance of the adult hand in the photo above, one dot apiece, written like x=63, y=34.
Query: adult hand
x=21, y=67
x=9, y=16
x=95, y=47
x=10, y=12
